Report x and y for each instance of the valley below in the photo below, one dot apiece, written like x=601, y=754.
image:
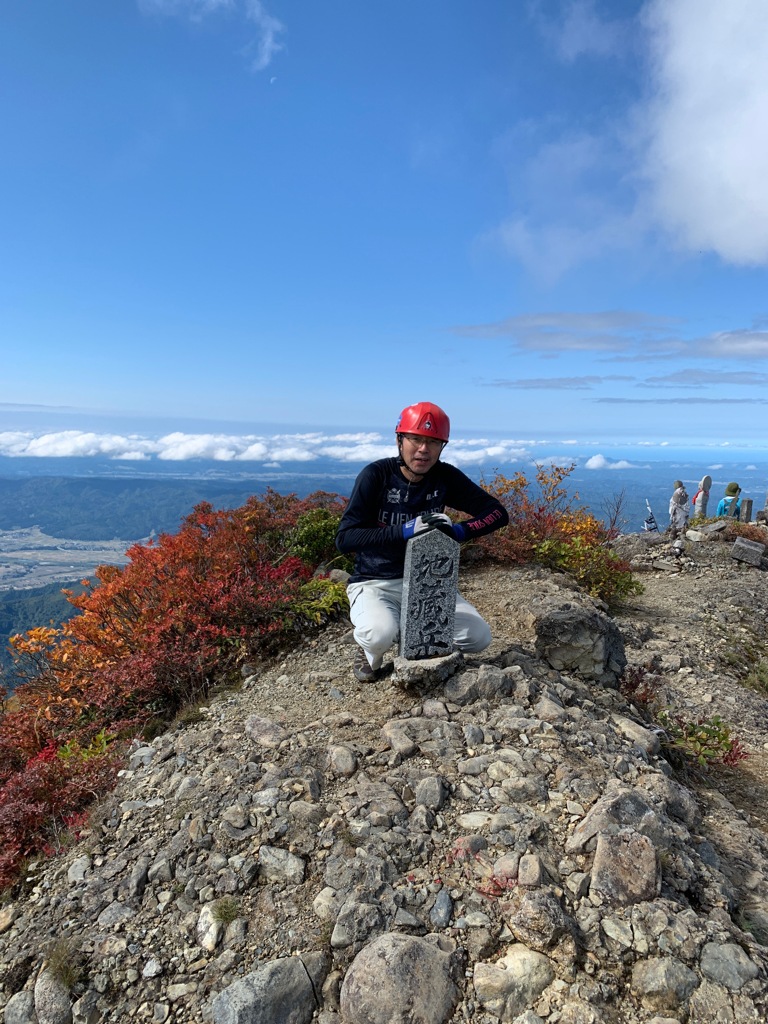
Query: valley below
x=30, y=558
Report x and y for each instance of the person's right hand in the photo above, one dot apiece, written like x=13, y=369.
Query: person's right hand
x=418, y=525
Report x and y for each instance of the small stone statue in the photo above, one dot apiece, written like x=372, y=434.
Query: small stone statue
x=701, y=498
x=678, y=510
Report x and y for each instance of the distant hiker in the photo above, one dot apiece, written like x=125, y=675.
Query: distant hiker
x=730, y=505
x=678, y=509
x=701, y=498
x=392, y=500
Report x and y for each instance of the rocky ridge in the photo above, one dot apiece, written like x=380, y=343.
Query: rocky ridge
x=507, y=845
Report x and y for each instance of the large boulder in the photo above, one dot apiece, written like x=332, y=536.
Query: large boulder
x=575, y=637
x=401, y=978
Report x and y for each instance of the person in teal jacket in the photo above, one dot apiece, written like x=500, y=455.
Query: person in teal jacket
x=726, y=506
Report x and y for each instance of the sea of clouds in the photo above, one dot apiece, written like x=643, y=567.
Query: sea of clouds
x=272, y=449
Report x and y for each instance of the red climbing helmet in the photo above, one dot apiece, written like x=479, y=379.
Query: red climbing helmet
x=425, y=419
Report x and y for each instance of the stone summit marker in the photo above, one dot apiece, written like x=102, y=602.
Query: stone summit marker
x=430, y=584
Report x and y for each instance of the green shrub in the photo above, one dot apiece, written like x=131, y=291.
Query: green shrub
x=545, y=528
x=65, y=962
x=314, y=540
x=226, y=910
x=320, y=600
x=704, y=742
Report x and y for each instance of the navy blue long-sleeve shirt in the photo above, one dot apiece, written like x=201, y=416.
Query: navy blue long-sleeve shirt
x=382, y=500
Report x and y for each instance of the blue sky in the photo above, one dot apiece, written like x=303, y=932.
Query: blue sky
x=548, y=216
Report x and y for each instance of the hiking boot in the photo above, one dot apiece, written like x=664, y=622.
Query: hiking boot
x=362, y=670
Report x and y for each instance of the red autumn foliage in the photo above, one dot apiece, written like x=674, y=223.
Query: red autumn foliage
x=149, y=638
x=42, y=800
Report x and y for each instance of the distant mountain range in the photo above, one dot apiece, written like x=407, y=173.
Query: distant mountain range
x=101, y=499
x=92, y=508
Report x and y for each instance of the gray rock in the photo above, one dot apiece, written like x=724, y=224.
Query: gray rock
x=576, y=637
x=612, y=812
x=138, y=878
x=426, y=671
x=141, y=757
x=280, y=992
x=679, y=802
x=662, y=983
x=86, y=1009
x=536, y=919
x=78, y=869
x=727, y=964
x=20, y=1009
x=462, y=688
x=509, y=986
x=357, y=922
x=749, y=551
x=52, y=1002
x=264, y=732
x=442, y=910
x=430, y=792
x=115, y=915
x=398, y=740
x=278, y=865
x=625, y=869
x=208, y=929
x=492, y=682
x=646, y=739
x=152, y=968
x=530, y=871
x=400, y=978
x=342, y=761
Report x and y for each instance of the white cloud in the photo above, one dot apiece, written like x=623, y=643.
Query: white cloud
x=266, y=44
x=569, y=205
x=256, y=452
x=554, y=460
x=600, y=462
x=688, y=156
x=194, y=9
x=269, y=27
x=295, y=454
x=367, y=452
x=182, y=447
x=582, y=31
x=694, y=378
x=614, y=332
x=735, y=344
x=178, y=447
x=78, y=443
x=707, y=125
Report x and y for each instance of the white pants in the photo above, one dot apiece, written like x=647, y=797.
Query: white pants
x=374, y=608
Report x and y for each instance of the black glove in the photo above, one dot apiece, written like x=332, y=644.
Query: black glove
x=440, y=521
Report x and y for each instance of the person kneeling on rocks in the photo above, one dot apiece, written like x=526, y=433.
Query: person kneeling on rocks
x=393, y=500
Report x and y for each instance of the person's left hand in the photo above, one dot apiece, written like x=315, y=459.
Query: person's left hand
x=440, y=521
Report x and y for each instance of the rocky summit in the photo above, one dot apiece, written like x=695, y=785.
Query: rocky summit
x=507, y=843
